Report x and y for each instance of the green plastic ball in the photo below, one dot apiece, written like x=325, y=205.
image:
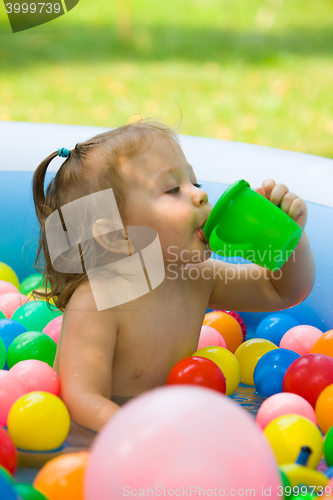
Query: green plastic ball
x=31, y=283
x=28, y=492
x=2, y=316
x=328, y=447
x=35, y=315
x=31, y=345
x=3, y=354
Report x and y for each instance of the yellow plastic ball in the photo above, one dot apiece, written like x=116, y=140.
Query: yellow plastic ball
x=248, y=355
x=289, y=433
x=7, y=274
x=38, y=421
x=227, y=362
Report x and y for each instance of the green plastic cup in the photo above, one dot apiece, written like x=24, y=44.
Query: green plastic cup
x=245, y=224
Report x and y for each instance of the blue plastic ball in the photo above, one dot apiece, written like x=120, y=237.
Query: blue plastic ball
x=269, y=372
x=7, y=491
x=9, y=330
x=274, y=326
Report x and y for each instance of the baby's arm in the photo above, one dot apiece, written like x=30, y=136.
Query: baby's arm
x=252, y=288
x=85, y=366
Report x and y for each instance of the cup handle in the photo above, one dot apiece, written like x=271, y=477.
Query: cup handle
x=216, y=244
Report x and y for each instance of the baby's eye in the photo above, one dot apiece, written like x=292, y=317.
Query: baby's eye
x=197, y=185
x=174, y=190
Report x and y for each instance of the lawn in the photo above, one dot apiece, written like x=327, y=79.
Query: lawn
x=258, y=71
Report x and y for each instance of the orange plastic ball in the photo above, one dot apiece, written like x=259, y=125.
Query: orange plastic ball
x=324, y=345
x=324, y=409
x=228, y=327
x=62, y=477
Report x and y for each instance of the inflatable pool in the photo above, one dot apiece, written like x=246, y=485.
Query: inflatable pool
x=217, y=164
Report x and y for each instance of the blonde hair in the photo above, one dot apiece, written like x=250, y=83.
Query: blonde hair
x=92, y=166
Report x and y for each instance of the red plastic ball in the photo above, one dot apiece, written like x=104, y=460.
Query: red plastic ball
x=8, y=455
x=198, y=371
x=308, y=376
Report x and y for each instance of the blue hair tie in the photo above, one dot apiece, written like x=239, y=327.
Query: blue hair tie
x=63, y=152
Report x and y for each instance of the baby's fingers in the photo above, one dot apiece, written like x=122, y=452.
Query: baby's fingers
x=287, y=200
x=298, y=211
x=278, y=193
x=266, y=188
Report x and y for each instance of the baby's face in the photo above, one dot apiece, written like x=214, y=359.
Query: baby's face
x=162, y=193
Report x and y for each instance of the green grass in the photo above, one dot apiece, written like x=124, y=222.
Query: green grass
x=258, y=71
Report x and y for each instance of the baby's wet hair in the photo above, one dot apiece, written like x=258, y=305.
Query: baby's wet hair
x=92, y=166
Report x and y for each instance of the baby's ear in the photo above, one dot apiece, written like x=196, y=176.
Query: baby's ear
x=116, y=241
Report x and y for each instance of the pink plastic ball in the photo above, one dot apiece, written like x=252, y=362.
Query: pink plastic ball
x=53, y=328
x=209, y=336
x=179, y=438
x=284, y=403
x=11, y=388
x=300, y=339
x=6, y=287
x=37, y=376
x=10, y=301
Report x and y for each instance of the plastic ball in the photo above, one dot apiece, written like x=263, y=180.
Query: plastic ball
x=10, y=302
x=300, y=339
x=248, y=355
x=53, y=328
x=62, y=478
x=328, y=448
x=308, y=376
x=32, y=345
x=28, y=492
x=7, y=489
x=287, y=435
x=8, y=455
x=274, y=326
x=324, y=409
x=6, y=287
x=197, y=371
x=210, y=337
x=284, y=403
x=31, y=283
x=3, y=353
x=35, y=315
x=11, y=389
x=7, y=274
x=228, y=327
x=323, y=345
x=37, y=376
x=173, y=436
x=227, y=362
x=270, y=371
x=9, y=330
x=2, y=316
x=38, y=421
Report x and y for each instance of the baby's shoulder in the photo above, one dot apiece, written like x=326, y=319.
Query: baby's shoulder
x=82, y=311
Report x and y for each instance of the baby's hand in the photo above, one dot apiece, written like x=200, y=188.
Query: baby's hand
x=289, y=202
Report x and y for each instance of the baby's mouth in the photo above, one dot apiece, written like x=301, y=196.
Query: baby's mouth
x=200, y=232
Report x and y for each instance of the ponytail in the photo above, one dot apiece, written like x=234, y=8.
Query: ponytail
x=38, y=187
